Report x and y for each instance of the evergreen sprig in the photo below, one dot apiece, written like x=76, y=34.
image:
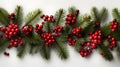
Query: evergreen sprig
x=4, y=16
x=33, y=17
x=18, y=15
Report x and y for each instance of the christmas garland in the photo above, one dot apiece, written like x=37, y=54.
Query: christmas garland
x=85, y=33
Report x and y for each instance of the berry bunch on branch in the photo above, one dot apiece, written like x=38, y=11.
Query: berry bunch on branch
x=83, y=32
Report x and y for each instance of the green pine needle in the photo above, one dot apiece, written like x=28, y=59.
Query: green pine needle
x=118, y=48
x=72, y=10
x=116, y=14
x=18, y=15
x=61, y=50
x=45, y=51
x=106, y=51
x=22, y=50
x=94, y=14
x=33, y=17
x=103, y=14
x=59, y=16
x=4, y=16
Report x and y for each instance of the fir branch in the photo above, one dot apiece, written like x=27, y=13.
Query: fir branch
x=61, y=50
x=106, y=52
x=87, y=27
x=116, y=14
x=4, y=16
x=103, y=14
x=3, y=45
x=18, y=15
x=106, y=30
x=22, y=50
x=72, y=10
x=59, y=16
x=94, y=14
x=33, y=17
x=118, y=48
x=45, y=51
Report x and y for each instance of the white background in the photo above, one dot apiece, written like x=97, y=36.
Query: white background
x=49, y=7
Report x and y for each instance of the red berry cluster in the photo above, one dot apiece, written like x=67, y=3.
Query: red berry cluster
x=49, y=39
x=58, y=30
x=28, y=29
x=11, y=30
x=86, y=49
x=112, y=42
x=48, y=18
x=71, y=41
x=95, y=38
x=38, y=29
x=15, y=42
x=12, y=16
x=113, y=25
x=77, y=31
x=70, y=19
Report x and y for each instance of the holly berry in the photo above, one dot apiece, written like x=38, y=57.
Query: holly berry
x=28, y=29
x=2, y=29
x=71, y=41
x=86, y=49
x=15, y=42
x=70, y=19
x=57, y=31
x=12, y=16
x=38, y=28
x=77, y=12
x=11, y=30
x=48, y=18
x=112, y=41
x=95, y=38
x=113, y=25
x=6, y=54
x=49, y=39
x=77, y=31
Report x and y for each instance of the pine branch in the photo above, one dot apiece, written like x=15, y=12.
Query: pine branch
x=94, y=14
x=59, y=16
x=45, y=51
x=116, y=14
x=61, y=50
x=4, y=16
x=118, y=48
x=22, y=50
x=33, y=17
x=72, y=10
x=18, y=15
x=103, y=14
x=106, y=30
x=106, y=52
x=87, y=27
x=3, y=45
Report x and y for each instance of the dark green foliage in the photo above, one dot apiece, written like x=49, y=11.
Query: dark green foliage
x=3, y=45
x=103, y=14
x=103, y=49
x=33, y=17
x=118, y=48
x=72, y=10
x=45, y=51
x=116, y=14
x=97, y=16
x=18, y=15
x=22, y=51
x=106, y=30
x=4, y=16
x=59, y=17
x=61, y=50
